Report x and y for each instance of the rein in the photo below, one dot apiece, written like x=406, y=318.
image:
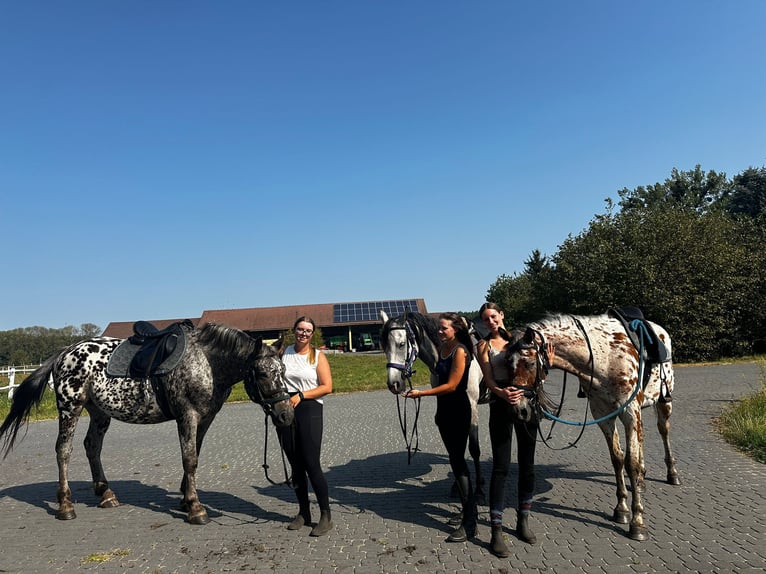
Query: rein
x=288, y=479
x=638, y=327
x=407, y=371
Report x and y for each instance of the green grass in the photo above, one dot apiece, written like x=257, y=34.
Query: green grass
x=351, y=372
x=743, y=424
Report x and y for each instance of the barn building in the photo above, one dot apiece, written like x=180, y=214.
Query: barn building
x=345, y=326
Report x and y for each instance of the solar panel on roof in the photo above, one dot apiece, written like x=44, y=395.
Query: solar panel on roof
x=368, y=311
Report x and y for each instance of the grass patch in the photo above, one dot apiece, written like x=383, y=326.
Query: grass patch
x=351, y=372
x=743, y=424
x=100, y=557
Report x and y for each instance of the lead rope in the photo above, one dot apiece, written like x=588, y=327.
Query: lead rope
x=288, y=479
x=639, y=328
x=412, y=443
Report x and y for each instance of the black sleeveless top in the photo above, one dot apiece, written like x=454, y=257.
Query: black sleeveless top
x=457, y=401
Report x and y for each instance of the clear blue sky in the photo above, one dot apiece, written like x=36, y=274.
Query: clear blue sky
x=158, y=159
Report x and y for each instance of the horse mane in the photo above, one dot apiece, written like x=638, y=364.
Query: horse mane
x=428, y=324
x=214, y=335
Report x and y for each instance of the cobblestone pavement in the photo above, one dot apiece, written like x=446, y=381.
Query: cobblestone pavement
x=390, y=516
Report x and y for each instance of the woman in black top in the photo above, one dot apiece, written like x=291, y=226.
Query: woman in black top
x=453, y=411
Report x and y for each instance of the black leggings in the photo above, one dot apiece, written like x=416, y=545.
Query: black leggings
x=501, y=427
x=302, y=442
x=454, y=424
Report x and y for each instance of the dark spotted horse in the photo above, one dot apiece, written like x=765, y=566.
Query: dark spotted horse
x=413, y=336
x=179, y=373
x=623, y=364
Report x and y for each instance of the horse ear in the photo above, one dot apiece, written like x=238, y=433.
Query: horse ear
x=383, y=316
x=529, y=335
x=258, y=342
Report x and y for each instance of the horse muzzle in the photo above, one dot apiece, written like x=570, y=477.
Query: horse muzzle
x=523, y=411
x=283, y=414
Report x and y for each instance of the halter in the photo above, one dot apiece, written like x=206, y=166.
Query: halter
x=407, y=371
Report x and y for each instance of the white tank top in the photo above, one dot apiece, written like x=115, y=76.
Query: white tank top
x=497, y=362
x=299, y=373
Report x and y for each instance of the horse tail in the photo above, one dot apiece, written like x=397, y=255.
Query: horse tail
x=26, y=396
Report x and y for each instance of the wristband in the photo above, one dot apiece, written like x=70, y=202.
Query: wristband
x=300, y=394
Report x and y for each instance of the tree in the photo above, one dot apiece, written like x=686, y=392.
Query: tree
x=694, y=189
x=748, y=193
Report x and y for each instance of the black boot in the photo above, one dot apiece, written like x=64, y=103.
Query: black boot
x=303, y=518
x=467, y=529
x=324, y=525
x=497, y=545
x=522, y=528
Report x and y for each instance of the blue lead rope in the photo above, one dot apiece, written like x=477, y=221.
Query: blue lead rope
x=637, y=326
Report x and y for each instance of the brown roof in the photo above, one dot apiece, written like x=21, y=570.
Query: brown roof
x=257, y=318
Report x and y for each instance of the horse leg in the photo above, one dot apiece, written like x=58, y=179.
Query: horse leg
x=187, y=433
x=634, y=440
x=475, y=450
x=621, y=514
x=664, y=410
x=67, y=426
x=94, y=442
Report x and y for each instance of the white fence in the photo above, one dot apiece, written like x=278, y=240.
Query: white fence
x=10, y=373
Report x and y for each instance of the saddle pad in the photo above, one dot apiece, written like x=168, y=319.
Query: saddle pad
x=655, y=350
x=119, y=362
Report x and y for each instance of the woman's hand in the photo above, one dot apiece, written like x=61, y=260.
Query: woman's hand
x=412, y=394
x=509, y=394
x=551, y=351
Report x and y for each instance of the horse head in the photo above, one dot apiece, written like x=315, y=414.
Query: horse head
x=265, y=384
x=528, y=363
x=400, y=345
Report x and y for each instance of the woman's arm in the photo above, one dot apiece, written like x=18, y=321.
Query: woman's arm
x=456, y=373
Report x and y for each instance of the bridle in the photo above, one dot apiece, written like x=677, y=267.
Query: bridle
x=411, y=352
x=267, y=404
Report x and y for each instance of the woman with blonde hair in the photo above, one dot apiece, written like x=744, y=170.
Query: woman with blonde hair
x=308, y=376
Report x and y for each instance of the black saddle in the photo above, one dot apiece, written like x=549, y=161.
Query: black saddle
x=149, y=352
x=655, y=350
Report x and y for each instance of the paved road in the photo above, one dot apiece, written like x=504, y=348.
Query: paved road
x=390, y=516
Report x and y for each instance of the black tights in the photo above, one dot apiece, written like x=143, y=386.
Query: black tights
x=501, y=427
x=302, y=442
x=454, y=425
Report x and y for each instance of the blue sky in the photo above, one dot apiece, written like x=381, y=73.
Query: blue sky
x=158, y=159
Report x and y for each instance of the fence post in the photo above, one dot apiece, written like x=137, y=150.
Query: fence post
x=11, y=381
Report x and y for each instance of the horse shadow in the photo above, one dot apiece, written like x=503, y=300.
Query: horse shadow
x=218, y=504
x=129, y=492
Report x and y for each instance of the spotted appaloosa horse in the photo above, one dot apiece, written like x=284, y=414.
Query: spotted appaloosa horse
x=600, y=353
x=415, y=336
x=216, y=358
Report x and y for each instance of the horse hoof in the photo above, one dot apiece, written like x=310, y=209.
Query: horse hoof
x=110, y=502
x=639, y=533
x=621, y=517
x=199, y=519
x=674, y=480
x=66, y=515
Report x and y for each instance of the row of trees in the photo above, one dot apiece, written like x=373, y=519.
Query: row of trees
x=32, y=345
x=688, y=251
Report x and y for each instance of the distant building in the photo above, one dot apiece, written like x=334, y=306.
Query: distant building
x=344, y=325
